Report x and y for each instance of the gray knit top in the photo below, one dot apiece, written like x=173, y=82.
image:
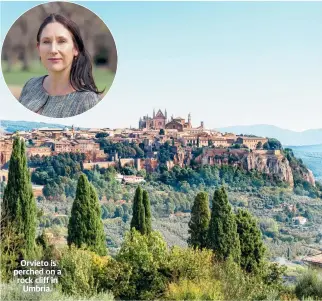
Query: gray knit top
x=35, y=98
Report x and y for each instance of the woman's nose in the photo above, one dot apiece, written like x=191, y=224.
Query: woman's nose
x=53, y=47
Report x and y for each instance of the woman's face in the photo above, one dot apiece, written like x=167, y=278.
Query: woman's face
x=56, y=48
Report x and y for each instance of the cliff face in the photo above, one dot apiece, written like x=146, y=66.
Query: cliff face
x=182, y=157
x=305, y=174
x=179, y=158
x=310, y=177
x=276, y=165
x=269, y=162
x=300, y=171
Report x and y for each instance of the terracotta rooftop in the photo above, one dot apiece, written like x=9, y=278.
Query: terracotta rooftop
x=79, y=141
x=252, y=138
x=61, y=142
x=315, y=259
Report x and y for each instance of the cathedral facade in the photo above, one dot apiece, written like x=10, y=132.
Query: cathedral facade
x=157, y=122
x=160, y=121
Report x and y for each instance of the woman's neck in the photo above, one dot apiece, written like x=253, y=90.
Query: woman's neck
x=58, y=83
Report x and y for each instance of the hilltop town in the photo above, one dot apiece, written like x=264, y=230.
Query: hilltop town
x=247, y=152
x=152, y=132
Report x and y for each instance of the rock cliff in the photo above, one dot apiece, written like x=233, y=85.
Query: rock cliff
x=305, y=174
x=270, y=162
x=273, y=164
x=300, y=171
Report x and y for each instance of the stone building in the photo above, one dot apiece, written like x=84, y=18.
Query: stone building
x=3, y=175
x=174, y=125
x=54, y=133
x=41, y=151
x=160, y=121
x=5, y=151
x=157, y=122
x=149, y=164
x=221, y=142
x=251, y=142
x=88, y=147
x=179, y=124
x=62, y=147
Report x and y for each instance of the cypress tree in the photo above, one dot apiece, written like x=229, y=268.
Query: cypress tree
x=199, y=222
x=289, y=253
x=147, y=211
x=251, y=244
x=19, y=207
x=77, y=221
x=222, y=234
x=85, y=225
x=97, y=231
x=138, y=218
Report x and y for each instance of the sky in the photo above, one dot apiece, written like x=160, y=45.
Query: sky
x=227, y=63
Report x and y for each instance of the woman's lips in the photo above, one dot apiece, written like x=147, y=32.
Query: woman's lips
x=54, y=60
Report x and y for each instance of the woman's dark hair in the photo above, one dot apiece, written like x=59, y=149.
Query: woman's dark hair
x=81, y=76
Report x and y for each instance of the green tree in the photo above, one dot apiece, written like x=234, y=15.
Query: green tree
x=119, y=212
x=85, y=225
x=147, y=212
x=138, y=218
x=222, y=235
x=147, y=257
x=11, y=246
x=272, y=144
x=96, y=227
x=259, y=145
x=101, y=135
x=251, y=244
x=199, y=222
x=82, y=274
x=19, y=206
x=309, y=285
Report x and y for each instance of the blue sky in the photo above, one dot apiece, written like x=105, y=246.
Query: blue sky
x=228, y=63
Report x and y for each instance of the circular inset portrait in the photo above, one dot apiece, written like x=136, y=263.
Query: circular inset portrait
x=59, y=59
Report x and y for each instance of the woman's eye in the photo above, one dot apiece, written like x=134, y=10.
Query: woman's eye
x=46, y=42
x=62, y=41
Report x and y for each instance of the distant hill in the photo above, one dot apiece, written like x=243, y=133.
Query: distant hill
x=12, y=126
x=287, y=137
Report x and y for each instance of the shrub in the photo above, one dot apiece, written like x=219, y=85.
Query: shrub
x=115, y=277
x=147, y=257
x=190, y=263
x=309, y=285
x=195, y=290
x=81, y=270
x=237, y=285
